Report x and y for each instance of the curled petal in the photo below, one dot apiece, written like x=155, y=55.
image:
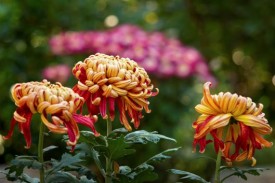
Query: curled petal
x=213, y=123
x=208, y=97
x=240, y=107
x=232, y=103
x=204, y=110
x=87, y=121
x=255, y=122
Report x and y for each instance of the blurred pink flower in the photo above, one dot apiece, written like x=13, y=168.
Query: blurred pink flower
x=60, y=73
x=156, y=53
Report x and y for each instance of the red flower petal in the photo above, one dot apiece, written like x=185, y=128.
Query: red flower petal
x=86, y=121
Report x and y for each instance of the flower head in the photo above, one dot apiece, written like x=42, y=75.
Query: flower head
x=236, y=124
x=107, y=80
x=52, y=101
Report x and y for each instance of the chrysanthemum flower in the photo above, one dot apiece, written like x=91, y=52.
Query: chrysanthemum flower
x=156, y=53
x=58, y=73
x=56, y=104
x=107, y=80
x=236, y=124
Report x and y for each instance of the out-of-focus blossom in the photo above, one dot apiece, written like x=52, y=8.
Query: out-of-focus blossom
x=154, y=52
x=52, y=101
x=106, y=81
x=236, y=124
x=58, y=73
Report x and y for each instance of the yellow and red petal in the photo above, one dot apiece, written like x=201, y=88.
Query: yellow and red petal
x=255, y=122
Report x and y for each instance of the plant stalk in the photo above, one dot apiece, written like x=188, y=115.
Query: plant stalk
x=217, y=170
x=108, y=178
x=40, y=151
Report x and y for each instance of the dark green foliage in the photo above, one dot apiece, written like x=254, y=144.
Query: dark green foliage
x=144, y=137
x=240, y=172
x=18, y=164
x=120, y=145
x=145, y=171
x=118, y=148
x=188, y=176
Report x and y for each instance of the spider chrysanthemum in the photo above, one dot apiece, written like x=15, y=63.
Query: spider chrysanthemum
x=235, y=122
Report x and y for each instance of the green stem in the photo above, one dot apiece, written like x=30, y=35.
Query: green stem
x=108, y=178
x=217, y=170
x=40, y=151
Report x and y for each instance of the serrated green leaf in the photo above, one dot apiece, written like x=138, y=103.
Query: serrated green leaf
x=241, y=172
x=15, y=170
x=25, y=161
x=89, y=138
x=188, y=176
x=84, y=179
x=97, y=161
x=143, y=137
x=124, y=170
x=29, y=179
x=66, y=160
x=119, y=148
x=145, y=176
x=119, y=130
x=61, y=177
x=49, y=148
x=142, y=173
x=161, y=156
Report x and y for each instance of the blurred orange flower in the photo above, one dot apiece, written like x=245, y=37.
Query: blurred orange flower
x=231, y=120
x=51, y=101
x=107, y=80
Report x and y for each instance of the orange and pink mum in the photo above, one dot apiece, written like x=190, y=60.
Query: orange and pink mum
x=236, y=124
x=57, y=106
x=105, y=81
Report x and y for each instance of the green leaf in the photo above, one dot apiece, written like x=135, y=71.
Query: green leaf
x=119, y=130
x=145, y=176
x=18, y=164
x=144, y=137
x=64, y=177
x=89, y=138
x=22, y=177
x=61, y=177
x=188, y=176
x=161, y=156
x=84, y=179
x=143, y=172
x=119, y=148
x=29, y=179
x=140, y=174
x=66, y=160
x=242, y=172
x=49, y=148
x=97, y=161
x=124, y=170
x=26, y=161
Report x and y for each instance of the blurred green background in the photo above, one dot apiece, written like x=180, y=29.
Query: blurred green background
x=236, y=38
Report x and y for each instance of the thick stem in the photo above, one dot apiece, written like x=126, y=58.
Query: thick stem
x=40, y=151
x=109, y=127
x=108, y=178
x=217, y=170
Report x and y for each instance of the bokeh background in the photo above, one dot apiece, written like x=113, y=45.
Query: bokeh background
x=232, y=42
